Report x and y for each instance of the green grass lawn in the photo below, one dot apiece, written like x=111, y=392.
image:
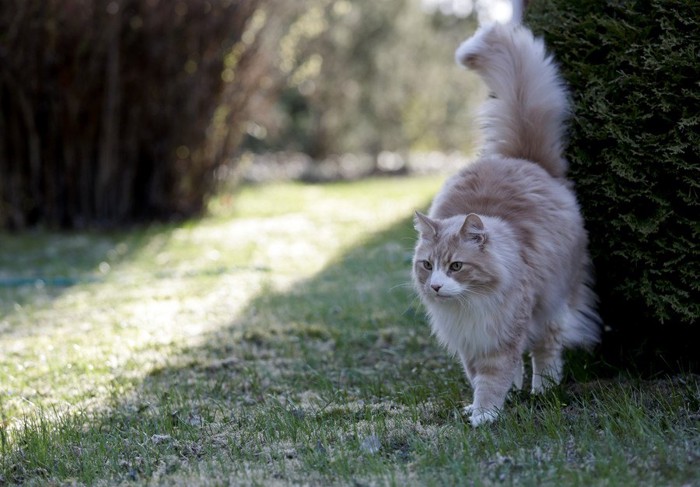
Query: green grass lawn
x=278, y=342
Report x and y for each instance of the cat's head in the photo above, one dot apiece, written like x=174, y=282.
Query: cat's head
x=453, y=258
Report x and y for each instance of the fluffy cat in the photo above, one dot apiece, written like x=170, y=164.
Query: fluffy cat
x=501, y=262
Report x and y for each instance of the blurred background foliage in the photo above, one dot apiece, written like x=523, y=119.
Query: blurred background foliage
x=120, y=111
x=115, y=111
x=367, y=76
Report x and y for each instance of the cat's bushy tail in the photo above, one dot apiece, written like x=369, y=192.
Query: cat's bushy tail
x=582, y=323
x=524, y=117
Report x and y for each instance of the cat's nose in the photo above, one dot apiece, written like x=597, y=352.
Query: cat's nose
x=436, y=287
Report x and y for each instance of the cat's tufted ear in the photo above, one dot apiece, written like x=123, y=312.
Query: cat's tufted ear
x=425, y=226
x=473, y=229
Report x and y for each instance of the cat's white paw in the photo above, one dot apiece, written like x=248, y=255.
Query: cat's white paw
x=483, y=416
x=480, y=416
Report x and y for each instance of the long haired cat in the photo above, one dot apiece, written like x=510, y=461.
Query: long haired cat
x=501, y=263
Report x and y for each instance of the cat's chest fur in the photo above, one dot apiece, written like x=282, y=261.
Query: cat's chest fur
x=473, y=327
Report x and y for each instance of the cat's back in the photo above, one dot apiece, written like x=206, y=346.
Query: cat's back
x=514, y=190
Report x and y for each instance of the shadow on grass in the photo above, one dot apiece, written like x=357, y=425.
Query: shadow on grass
x=353, y=332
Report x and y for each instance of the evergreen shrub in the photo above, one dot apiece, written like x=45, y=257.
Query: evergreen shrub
x=634, y=72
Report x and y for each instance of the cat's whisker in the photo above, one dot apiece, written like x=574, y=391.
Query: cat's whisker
x=406, y=285
x=416, y=302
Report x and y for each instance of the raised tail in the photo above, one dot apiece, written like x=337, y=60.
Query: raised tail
x=525, y=117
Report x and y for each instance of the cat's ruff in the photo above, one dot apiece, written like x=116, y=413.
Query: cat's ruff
x=501, y=263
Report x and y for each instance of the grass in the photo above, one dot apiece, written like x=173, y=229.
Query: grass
x=277, y=341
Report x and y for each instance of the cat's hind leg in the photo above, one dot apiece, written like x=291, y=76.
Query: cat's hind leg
x=547, y=364
x=519, y=373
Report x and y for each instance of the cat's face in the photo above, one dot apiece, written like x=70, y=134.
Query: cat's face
x=451, y=260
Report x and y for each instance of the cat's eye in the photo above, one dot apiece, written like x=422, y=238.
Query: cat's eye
x=455, y=266
x=427, y=265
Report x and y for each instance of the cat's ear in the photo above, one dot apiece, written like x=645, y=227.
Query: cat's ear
x=425, y=226
x=473, y=229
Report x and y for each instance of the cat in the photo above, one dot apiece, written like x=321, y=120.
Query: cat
x=501, y=262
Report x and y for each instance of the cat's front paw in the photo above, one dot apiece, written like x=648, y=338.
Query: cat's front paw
x=468, y=409
x=482, y=416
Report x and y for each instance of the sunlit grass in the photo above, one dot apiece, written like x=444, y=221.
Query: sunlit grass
x=277, y=342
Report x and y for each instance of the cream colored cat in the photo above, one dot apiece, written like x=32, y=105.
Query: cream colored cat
x=501, y=262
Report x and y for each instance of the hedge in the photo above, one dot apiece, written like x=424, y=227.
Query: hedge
x=634, y=71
